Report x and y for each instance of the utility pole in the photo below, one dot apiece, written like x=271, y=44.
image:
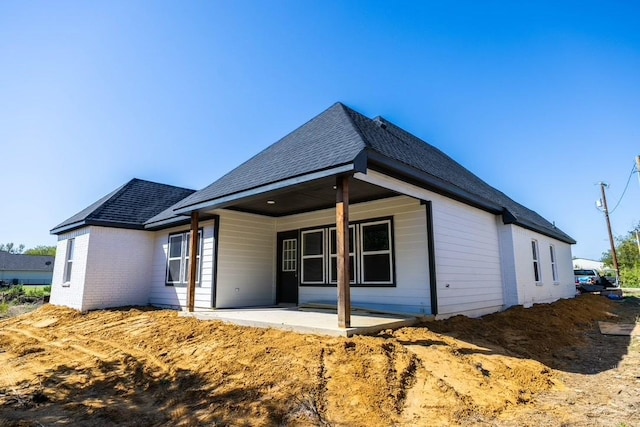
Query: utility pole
x=611, y=241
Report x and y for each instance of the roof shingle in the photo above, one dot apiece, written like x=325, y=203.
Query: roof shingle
x=20, y=262
x=337, y=137
x=129, y=206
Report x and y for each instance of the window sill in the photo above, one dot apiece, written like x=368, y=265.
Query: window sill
x=180, y=285
x=556, y=283
x=352, y=285
x=539, y=283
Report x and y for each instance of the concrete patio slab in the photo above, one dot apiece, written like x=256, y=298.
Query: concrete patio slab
x=305, y=322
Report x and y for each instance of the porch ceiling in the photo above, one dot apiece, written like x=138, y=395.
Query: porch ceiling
x=309, y=196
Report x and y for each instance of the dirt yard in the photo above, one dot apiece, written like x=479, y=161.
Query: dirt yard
x=548, y=365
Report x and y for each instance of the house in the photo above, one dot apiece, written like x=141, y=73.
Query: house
x=587, y=264
x=19, y=269
x=345, y=209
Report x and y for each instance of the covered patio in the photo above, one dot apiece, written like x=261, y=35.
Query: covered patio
x=307, y=320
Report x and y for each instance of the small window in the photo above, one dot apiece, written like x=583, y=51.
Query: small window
x=178, y=258
x=333, y=255
x=536, y=261
x=289, y=251
x=69, y=259
x=313, y=256
x=554, y=267
x=376, y=260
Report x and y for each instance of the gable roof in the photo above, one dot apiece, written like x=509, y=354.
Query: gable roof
x=129, y=206
x=341, y=140
x=20, y=262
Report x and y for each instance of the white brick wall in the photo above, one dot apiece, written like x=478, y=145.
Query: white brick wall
x=118, y=268
x=70, y=294
x=111, y=268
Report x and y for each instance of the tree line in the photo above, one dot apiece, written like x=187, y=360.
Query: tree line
x=628, y=251
x=20, y=249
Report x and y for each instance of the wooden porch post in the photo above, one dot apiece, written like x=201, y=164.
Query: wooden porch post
x=342, y=244
x=193, y=253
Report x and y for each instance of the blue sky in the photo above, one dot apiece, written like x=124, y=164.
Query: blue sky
x=539, y=99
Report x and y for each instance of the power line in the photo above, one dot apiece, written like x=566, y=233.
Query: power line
x=633, y=169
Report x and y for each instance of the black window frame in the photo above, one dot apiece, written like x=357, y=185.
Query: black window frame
x=358, y=273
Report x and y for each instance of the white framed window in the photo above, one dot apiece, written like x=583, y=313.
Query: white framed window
x=289, y=252
x=69, y=260
x=313, y=256
x=554, y=266
x=333, y=255
x=536, y=261
x=178, y=258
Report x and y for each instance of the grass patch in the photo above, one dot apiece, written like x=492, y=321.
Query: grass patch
x=635, y=292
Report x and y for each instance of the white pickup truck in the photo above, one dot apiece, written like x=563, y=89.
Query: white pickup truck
x=585, y=276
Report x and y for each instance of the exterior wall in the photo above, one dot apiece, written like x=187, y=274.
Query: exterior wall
x=111, y=268
x=118, y=268
x=246, y=260
x=411, y=293
x=468, y=267
x=530, y=292
x=508, y=256
x=70, y=294
x=175, y=296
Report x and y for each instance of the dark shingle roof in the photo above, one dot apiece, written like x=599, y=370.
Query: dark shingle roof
x=19, y=262
x=166, y=218
x=129, y=206
x=326, y=141
x=339, y=136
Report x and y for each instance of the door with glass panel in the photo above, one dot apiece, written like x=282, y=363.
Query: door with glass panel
x=288, y=267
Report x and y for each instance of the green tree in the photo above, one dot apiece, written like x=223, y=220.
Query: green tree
x=41, y=250
x=628, y=258
x=11, y=248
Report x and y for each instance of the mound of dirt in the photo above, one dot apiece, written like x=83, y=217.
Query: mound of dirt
x=152, y=367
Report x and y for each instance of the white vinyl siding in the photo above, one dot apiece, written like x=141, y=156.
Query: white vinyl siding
x=246, y=260
x=468, y=267
x=411, y=293
x=176, y=296
x=528, y=291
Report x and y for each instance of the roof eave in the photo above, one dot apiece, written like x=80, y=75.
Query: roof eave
x=99, y=223
x=436, y=185
x=560, y=236
x=224, y=201
x=425, y=180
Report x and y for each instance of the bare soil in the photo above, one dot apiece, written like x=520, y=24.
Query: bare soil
x=547, y=365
